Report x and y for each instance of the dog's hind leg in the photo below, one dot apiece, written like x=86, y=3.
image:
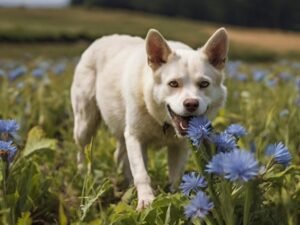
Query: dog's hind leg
x=121, y=159
x=85, y=109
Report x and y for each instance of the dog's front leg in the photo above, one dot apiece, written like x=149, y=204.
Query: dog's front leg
x=138, y=169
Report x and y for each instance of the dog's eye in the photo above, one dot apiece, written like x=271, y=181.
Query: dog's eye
x=204, y=84
x=173, y=84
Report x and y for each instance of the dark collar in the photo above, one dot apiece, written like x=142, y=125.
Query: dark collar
x=165, y=127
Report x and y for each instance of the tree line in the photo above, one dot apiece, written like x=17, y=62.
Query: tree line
x=283, y=14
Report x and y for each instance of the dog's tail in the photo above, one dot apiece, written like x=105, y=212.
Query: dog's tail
x=83, y=98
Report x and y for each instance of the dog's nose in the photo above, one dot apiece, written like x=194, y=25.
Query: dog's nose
x=191, y=104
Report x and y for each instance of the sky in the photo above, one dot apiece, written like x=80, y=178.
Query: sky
x=34, y=3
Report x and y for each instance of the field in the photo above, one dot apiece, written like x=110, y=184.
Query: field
x=46, y=30
x=39, y=51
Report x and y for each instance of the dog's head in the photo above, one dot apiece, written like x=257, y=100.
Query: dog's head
x=187, y=82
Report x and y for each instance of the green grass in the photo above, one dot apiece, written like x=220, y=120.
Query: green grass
x=47, y=27
x=77, y=22
x=98, y=195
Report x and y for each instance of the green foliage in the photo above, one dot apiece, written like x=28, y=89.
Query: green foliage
x=63, y=220
x=27, y=191
x=36, y=141
x=166, y=209
x=44, y=185
x=90, y=194
x=25, y=219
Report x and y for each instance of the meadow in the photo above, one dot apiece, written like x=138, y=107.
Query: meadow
x=67, y=32
x=44, y=185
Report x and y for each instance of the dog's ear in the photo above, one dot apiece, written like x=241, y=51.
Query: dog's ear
x=157, y=49
x=216, y=48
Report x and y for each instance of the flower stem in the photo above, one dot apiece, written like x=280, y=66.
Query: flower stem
x=215, y=199
x=5, y=174
x=227, y=204
x=207, y=221
x=248, y=202
x=5, y=171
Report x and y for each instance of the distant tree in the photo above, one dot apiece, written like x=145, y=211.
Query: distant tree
x=78, y=2
x=284, y=14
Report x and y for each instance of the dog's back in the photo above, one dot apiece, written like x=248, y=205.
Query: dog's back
x=105, y=59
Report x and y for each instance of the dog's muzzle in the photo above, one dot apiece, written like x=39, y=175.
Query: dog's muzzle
x=180, y=123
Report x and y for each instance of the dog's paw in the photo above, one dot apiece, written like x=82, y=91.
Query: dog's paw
x=145, y=201
x=145, y=196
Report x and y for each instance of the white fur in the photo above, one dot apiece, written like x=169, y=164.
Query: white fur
x=113, y=81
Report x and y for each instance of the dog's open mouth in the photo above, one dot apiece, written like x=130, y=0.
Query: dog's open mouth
x=180, y=123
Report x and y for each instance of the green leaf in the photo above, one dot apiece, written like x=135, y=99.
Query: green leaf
x=123, y=214
x=94, y=222
x=149, y=215
x=220, y=120
x=123, y=207
x=63, y=220
x=168, y=215
x=90, y=200
x=161, y=202
x=25, y=219
x=289, y=169
x=2, y=164
x=88, y=152
x=129, y=195
x=36, y=142
x=12, y=199
x=270, y=117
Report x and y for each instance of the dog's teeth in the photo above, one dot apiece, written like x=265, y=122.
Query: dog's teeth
x=182, y=127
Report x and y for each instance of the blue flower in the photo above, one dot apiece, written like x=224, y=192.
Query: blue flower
x=284, y=113
x=242, y=77
x=224, y=142
x=7, y=149
x=236, y=130
x=259, y=75
x=45, y=65
x=285, y=76
x=232, y=68
x=298, y=84
x=280, y=153
x=199, y=128
x=199, y=206
x=297, y=101
x=17, y=72
x=59, y=68
x=240, y=165
x=191, y=182
x=9, y=126
x=38, y=72
x=271, y=83
x=252, y=147
x=216, y=165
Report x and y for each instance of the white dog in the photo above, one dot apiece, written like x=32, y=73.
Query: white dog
x=146, y=91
